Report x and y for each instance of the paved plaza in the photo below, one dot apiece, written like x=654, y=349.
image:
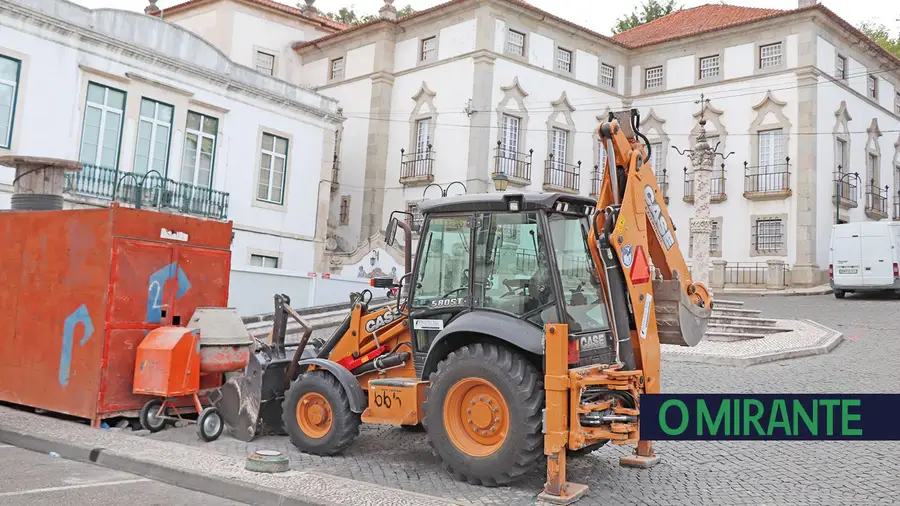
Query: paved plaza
x=759, y=473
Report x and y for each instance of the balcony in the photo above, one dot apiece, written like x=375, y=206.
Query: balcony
x=768, y=182
x=876, y=201
x=596, y=181
x=147, y=191
x=335, y=172
x=516, y=165
x=716, y=186
x=662, y=180
x=845, y=189
x=417, y=167
x=560, y=176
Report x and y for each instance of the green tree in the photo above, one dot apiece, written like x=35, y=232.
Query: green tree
x=880, y=34
x=650, y=10
x=349, y=17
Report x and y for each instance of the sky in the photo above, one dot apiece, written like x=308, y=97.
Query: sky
x=598, y=15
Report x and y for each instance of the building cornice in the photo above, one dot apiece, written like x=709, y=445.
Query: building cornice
x=86, y=36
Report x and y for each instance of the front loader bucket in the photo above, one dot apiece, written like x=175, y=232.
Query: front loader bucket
x=678, y=320
x=250, y=403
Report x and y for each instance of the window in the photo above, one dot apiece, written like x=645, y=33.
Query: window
x=429, y=48
x=199, y=149
x=423, y=135
x=265, y=63
x=608, y=75
x=709, y=67
x=896, y=104
x=771, y=160
x=264, y=261
x=515, y=42
x=154, y=133
x=717, y=178
x=9, y=86
x=872, y=169
x=653, y=77
x=102, y=126
x=337, y=68
x=601, y=155
x=840, y=71
x=657, y=157
x=563, y=59
x=873, y=87
x=444, y=261
x=841, y=156
x=559, y=139
x=272, y=165
x=509, y=136
x=769, y=236
x=345, y=210
x=770, y=55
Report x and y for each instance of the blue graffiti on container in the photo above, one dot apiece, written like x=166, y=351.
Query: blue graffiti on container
x=155, y=289
x=80, y=315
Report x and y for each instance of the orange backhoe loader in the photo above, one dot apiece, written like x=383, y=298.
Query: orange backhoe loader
x=529, y=325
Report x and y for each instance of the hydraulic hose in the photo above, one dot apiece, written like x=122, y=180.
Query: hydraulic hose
x=384, y=362
x=617, y=295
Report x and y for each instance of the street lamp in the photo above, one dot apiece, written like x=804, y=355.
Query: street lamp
x=837, y=194
x=443, y=189
x=501, y=181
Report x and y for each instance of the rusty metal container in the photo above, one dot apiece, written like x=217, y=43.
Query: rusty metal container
x=168, y=364
x=79, y=291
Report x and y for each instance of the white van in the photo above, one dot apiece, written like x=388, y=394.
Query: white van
x=864, y=257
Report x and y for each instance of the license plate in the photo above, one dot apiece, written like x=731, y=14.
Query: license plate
x=848, y=270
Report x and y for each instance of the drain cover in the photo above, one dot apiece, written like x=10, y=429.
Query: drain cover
x=267, y=461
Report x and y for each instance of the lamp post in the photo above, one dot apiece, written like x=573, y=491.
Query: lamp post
x=444, y=190
x=837, y=194
x=501, y=181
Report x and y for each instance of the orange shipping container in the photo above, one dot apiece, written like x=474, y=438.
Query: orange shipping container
x=79, y=290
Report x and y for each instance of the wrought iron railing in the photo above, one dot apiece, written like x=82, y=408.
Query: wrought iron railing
x=716, y=185
x=525, y=261
x=562, y=175
x=769, y=178
x=150, y=190
x=596, y=181
x=876, y=198
x=335, y=172
x=512, y=163
x=418, y=165
x=746, y=273
x=662, y=180
x=844, y=187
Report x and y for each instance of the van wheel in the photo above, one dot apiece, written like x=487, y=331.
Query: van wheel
x=839, y=294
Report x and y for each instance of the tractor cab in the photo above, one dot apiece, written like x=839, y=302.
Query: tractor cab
x=504, y=266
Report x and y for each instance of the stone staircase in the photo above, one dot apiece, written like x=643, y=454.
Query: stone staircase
x=731, y=322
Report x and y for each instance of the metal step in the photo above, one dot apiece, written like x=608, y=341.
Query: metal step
x=728, y=337
x=727, y=311
x=740, y=320
x=724, y=304
x=743, y=329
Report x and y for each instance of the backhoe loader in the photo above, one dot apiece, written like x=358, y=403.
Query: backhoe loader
x=529, y=325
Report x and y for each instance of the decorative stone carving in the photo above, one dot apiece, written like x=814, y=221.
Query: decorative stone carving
x=388, y=11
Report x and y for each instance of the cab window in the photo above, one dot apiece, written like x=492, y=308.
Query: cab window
x=444, y=267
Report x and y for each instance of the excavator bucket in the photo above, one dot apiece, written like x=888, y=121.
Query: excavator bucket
x=679, y=320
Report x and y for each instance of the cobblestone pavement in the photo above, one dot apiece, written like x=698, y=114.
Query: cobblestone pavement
x=734, y=473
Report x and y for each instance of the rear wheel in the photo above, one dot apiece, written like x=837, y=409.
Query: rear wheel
x=317, y=415
x=839, y=294
x=483, y=414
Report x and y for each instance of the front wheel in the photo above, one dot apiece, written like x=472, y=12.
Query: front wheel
x=317, y=414
x=209, y=424
x=483, y=414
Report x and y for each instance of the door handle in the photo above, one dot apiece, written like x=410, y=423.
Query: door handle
x=868, y=268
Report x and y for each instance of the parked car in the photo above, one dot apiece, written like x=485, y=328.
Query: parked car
x=864, y=257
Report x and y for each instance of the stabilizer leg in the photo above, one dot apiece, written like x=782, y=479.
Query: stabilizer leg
x=643, y=456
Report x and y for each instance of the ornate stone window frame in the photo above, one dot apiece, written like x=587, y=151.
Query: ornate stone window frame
x=653, y=127
x=514, y=95
x=561, y=118
x=873, y=148
x=768, y=105
x=572, y=55
x=713, y=253
x=424, y=109
x=841, y=133
x=757, y=61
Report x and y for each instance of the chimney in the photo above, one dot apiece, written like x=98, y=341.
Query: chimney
x=388, y=11
x=152, y=9
x=802, y=4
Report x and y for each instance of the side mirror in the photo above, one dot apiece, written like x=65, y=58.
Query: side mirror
x=390, y=232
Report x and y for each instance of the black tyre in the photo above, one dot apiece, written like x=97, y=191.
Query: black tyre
x=839, y=294
x=483, y=414
x=317, y=415
x=210, y=424
x=149, y=420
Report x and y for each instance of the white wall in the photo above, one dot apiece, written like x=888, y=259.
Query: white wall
x=251, y=289
x=587, y=67
x=739, y=61
x=360, y=61
x=457, y=39
x=252, y=32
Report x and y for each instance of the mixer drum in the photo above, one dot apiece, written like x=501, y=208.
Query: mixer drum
x=225, y=344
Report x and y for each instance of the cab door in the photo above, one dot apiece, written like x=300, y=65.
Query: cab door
x=441, y=285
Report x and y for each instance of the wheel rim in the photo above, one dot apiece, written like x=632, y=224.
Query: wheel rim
x=211, y=424
x=476, y=417
x=314, y=415
x=152, y=419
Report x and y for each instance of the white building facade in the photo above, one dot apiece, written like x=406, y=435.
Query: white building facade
x=145, y=104
x=797, y=100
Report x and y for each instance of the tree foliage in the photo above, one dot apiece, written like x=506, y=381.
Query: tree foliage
x=882, y=36
x=647, y=12
x=349, y=17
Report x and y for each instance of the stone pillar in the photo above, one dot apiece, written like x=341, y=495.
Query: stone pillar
x=806, y=270
x=480, y=150
x=376, y=156
x=718, y=274
x=39, y=182
x=701, y=225
x=775, y=274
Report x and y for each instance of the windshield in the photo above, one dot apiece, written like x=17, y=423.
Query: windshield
x=582, y=291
